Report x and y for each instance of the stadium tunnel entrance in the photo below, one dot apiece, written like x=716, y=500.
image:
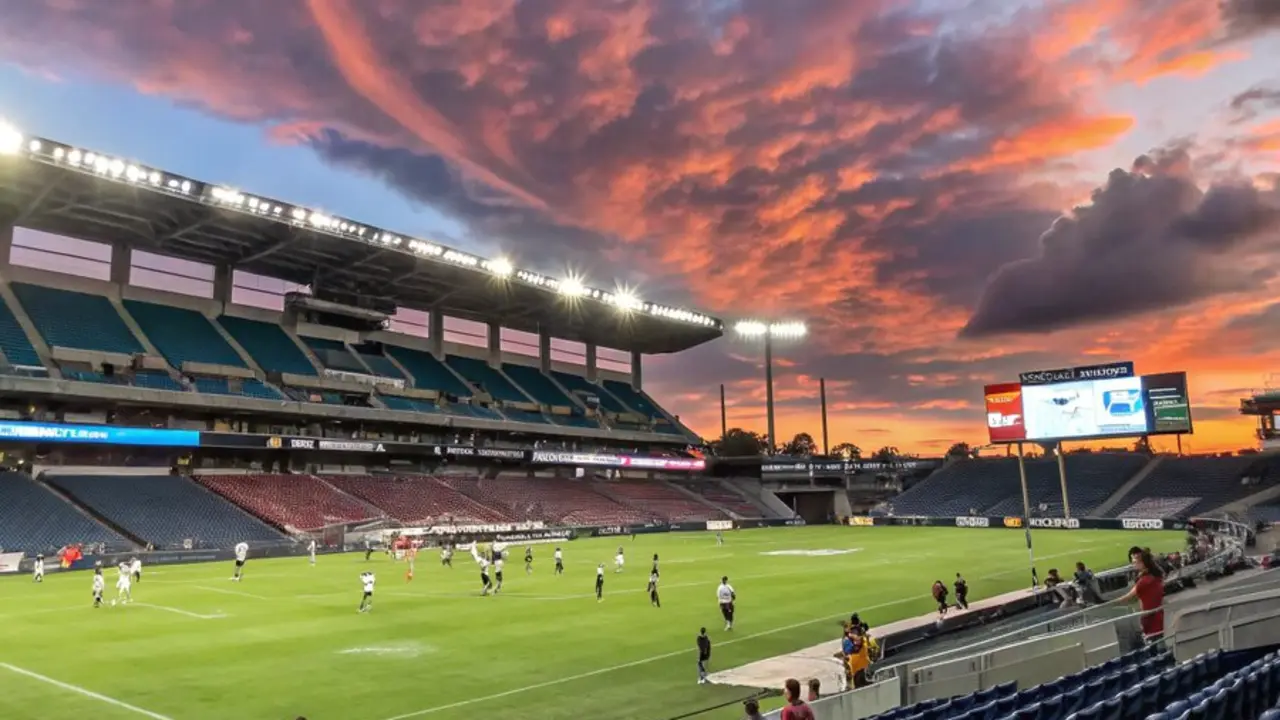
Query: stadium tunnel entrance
x=814, y=506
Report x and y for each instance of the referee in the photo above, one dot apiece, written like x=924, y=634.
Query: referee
x=725, y=596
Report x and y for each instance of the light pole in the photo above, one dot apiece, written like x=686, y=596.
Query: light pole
x=753, y=330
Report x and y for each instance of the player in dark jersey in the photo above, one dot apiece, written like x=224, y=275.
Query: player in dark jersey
x=600, y=582
x=962, y=593
x=704, y=656
x=654, y=570
x=653, y=589
x=528, y=559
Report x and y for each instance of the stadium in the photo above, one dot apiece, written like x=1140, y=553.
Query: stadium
x=268, y=407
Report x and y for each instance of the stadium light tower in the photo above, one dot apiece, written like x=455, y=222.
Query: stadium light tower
x=768, y=332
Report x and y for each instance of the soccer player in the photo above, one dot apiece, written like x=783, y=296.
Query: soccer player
x=135, y=569
x=497, y=573
x=528, y=559
x=719, y=538
x=124, y=593
x=559, y=562
x=653, y=589
x=726, y=597
x=446, y=556
x=618, y=561
x=311, y=550
x=411, y=555
x=704, y=656
x=242, y=554
x=367, y=579
x=368, y=549
x=600, y=582
x=37, y=570
x=99, y=585
x=654, y=570
x=962, y=593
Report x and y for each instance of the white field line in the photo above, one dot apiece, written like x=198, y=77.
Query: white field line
x=642, y=661
x=177, y=611
x=237, y=593
x=82, y=691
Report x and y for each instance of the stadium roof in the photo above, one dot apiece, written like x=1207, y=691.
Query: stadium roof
x=60, y=188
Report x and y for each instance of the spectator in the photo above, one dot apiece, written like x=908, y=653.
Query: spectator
x=1149, y=591
x=752, y=708
x=814, y=686
x=1053, y=582
x=859, y=657
x=1087, y=585
x=796, y=708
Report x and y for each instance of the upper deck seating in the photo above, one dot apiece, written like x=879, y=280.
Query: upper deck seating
x=183, y=335
x=268, y=344
x=70, y=319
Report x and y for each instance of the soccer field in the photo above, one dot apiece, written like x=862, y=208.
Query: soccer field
x=288, y=641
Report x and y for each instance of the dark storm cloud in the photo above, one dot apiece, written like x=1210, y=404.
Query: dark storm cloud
x=1150, y=238
x=1250, y=17
x=1254, y=101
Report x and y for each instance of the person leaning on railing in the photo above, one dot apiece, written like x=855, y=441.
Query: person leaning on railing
x=1148, y=589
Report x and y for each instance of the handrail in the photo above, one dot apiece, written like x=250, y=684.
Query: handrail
x=1070, y=618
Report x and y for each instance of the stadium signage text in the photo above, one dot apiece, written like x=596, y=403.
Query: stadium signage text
x=473, y=529
x=603, y=460
x=1013, y=522
x=1055, y=523
x=861, y=521
x=1087, y=372
x=804, y=467
x=1141, y=524
x=719, y=524
x=973, y=522
x=97, y=434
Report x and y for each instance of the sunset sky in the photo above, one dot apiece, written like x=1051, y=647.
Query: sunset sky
x=947, y=192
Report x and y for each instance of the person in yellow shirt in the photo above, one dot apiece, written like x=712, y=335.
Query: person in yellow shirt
x=858, y=657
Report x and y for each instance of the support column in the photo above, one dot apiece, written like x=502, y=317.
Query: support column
x=121, y=260
x=223, y=284
x=6, y=244
x=495, y=344
x=593, y=370
x=637, y=371
x=544, y=351
x=435, y=333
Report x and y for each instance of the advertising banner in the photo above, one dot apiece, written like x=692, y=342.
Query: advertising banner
x=861, y=521
x=96, y=434
x=973, y=522
x=719, y=524
x=10, y=562
x=1014, y=522
x=619, y=461
x=1110, y=371
x=1005, y=420
x=1168, y=406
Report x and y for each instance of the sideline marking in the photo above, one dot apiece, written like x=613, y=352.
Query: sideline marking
x=642, y=661
x=197, y=616
x=82, y=691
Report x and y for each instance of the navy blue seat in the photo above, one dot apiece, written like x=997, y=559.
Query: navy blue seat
x=1006, y=705
x=1112, y=709
x=1051, y=708
x=1093, y=712
x=1073, y=701
x=1028, y=712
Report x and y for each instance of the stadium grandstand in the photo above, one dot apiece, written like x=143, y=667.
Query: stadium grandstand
x=191, y=374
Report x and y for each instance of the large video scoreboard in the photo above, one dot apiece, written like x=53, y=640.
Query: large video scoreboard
x=1087, y=403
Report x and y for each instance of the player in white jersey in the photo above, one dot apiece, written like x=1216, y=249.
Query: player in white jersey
x=37, y=570
x=726, y=596
x=242, y=554
x=124, y=592
x=99, y=585
x=497, y=574
x=311, y=548
x=485, y=582
x=559, y=562
x=367, y=579
x=619, y=561
x=135, y=569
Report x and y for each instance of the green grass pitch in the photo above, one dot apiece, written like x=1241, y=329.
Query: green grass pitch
x=288, y=641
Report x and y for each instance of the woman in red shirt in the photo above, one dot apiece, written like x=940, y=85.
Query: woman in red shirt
x=795, y=709
x=1149, y=591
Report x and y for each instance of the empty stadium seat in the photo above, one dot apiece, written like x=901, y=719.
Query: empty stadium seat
x=14, y=343
x=541, y=388
x=578, y=384
x=293, y=502
x=993, y=487
x=334, y=355
x=1188, y=486
x=557, y=501
x=480, y=374
x=183, y=335
x=715, y=493
x=164, y=510
x=637, y=400
x=156, y=380
x=395, y=402
x=416, y=499
x=660, y=500
x=248, y=387
x=70, y=319
x=428, y=372
x=35, y=520
x=268, y=344
x=378, y=363
x=525, y=416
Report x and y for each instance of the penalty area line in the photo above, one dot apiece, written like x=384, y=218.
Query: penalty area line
x=83, y=691
x=177, y=611
x=642, y=661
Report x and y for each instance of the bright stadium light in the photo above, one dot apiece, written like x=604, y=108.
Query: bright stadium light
x=757, y=330
x=750, y=328
x=627, y=301
x=10, y=139
x=572, y=287
x=500, y=267
x=788, y=330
